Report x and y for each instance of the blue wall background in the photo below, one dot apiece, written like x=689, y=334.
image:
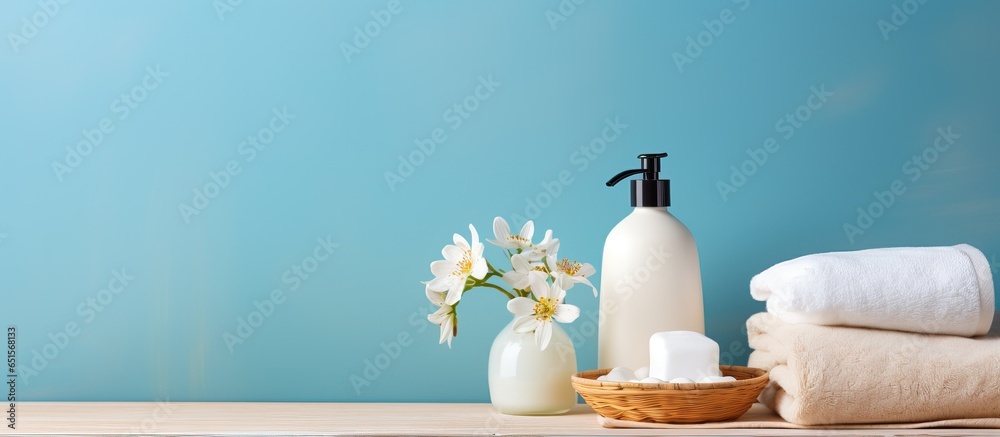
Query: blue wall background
x=225, y=69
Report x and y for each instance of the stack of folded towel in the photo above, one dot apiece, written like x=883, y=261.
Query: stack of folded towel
x=878, y=336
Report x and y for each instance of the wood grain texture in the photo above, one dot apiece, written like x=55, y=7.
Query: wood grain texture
x=232, y=418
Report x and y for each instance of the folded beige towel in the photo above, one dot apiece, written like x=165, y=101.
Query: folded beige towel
x=824, y=375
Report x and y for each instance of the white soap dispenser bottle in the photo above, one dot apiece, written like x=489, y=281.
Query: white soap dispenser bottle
x=650, y=275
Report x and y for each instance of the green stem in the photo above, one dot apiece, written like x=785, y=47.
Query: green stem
x=505, y=292
x=471, y=282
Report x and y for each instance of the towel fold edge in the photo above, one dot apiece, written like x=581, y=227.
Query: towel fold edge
x=984, y=274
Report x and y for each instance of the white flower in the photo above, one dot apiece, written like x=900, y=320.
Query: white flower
x=525, y=274
x=537, y=316
x=501, y=230
x=461, y=260
x=569, y=273
x=548, y=246
x=445, y=317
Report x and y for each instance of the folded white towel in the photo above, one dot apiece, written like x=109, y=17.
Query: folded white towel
x=932, y=290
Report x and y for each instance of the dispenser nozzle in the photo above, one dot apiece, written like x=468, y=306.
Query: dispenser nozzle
x=650, y=170
x=621, y=176
x=650, y=190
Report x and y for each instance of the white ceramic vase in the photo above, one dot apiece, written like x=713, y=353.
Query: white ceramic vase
x=527, y=381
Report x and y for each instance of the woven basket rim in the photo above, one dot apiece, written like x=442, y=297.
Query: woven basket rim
x=589, y=378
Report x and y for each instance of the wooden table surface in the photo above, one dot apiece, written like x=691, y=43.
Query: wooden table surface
x=234, y=418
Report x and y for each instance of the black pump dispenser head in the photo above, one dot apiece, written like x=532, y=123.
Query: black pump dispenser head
x=650, y=190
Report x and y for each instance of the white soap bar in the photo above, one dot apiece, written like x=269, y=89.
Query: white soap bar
x=650, y=381
x=717, y=379
x=683, y=354
x=642, y=373
x=621, y=374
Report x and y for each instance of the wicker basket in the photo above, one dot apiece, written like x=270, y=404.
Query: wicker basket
x=673, y=403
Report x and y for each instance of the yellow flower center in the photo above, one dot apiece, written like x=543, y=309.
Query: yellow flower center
x=518, y=239
x=544, y=309
x=569, y=267
x=464, y=267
